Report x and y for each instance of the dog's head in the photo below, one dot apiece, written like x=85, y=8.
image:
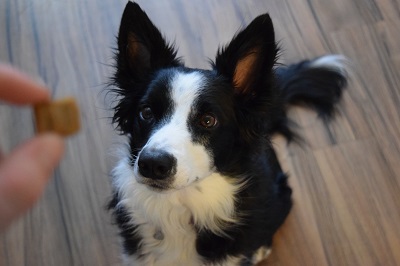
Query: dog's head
x=185, y=124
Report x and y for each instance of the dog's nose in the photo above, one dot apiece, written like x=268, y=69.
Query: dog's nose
x=156, y=165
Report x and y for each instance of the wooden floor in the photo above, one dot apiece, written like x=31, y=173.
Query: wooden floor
x=346, y=179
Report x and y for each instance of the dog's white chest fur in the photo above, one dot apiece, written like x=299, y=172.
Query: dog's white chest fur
x=167, y=232
x=169, y=241
x=166, y=222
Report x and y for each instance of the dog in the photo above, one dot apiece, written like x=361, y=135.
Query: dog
x=198, y=181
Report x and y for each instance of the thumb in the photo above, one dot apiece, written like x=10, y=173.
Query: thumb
x=24, y=174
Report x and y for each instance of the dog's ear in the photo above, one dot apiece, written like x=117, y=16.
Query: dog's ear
x=141, y=47
x=247, y=62
x=248, y=59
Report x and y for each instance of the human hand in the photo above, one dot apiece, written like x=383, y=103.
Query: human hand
x=25, y=171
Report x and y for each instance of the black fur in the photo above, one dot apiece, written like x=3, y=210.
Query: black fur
x=136, y=71
x=299, y=84
x=249, y=111
x=318, y=88
x=263, y=204
x=130, y=239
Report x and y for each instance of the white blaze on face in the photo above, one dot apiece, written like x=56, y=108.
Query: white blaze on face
x=193, y=160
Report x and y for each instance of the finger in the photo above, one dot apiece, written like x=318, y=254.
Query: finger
x=17, y=88
x=24, y=174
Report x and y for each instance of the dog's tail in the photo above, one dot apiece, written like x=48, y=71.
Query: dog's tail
x=316, y=83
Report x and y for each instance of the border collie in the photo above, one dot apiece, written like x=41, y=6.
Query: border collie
x=198, y=182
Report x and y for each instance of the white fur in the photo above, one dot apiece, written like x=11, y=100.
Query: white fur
x=261, y=254
x=175, y=213
x=193, y=160
x=335, y=62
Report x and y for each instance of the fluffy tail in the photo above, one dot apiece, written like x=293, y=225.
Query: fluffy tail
x=317, y=84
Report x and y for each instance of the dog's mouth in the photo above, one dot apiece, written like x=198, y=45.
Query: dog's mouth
x=157, y=186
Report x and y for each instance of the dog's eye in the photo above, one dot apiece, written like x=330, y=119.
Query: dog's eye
x=208, y=120
x=146, y=113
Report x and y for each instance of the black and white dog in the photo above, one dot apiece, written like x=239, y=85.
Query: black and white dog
x=199, y=182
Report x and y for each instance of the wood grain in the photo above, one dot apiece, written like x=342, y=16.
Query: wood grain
x=346, y=178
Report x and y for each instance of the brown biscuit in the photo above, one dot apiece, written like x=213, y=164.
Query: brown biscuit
x=61, y=117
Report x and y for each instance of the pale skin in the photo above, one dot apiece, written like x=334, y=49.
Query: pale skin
x=25, y=171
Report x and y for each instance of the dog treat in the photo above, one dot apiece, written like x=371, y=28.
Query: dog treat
x=61, y=117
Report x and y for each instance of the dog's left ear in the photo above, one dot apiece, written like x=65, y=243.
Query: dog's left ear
x=248, y=59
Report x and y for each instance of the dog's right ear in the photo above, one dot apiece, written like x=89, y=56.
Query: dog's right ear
x=141, y=51
x=141, y=47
